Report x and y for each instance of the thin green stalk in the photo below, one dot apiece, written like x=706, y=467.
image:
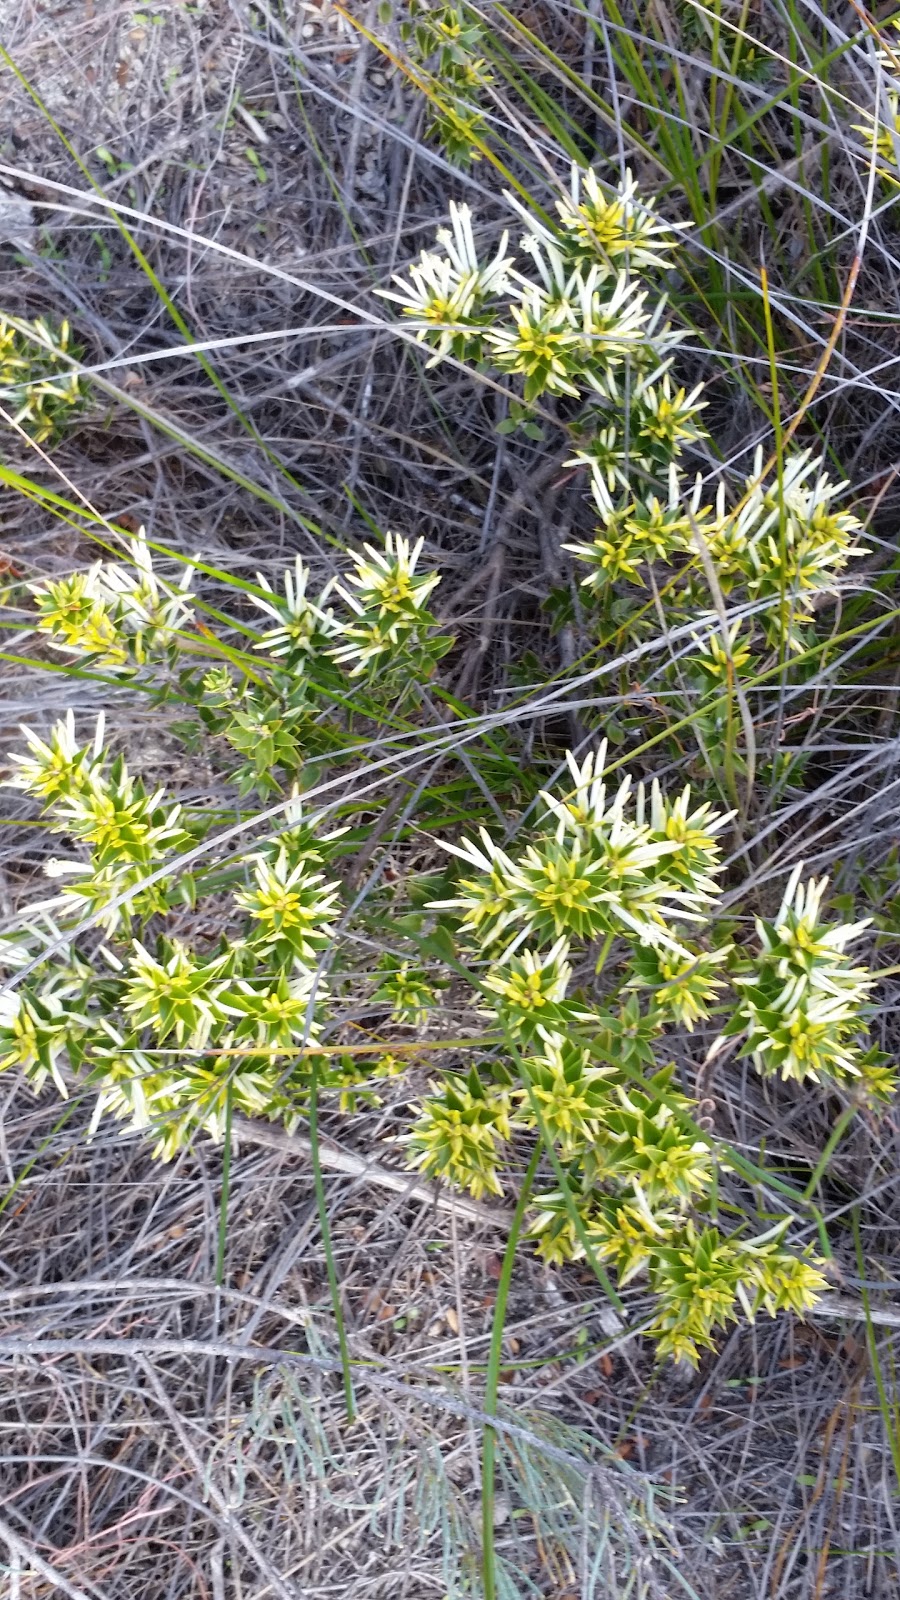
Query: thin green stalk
x=604, y=952
x=322, y=1209
x=489, y=1443
x=837, y=1134
x=226, y=1186
x=889, y=1412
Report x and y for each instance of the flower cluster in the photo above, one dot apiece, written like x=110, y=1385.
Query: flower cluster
x=450, y=299
x=304, y=628
x=785, y=543
x=168, y=1030
x=700, y=1278
x=409, y=993
x=128, y=834
x=458, y=1134
x=572, y=317
x=39, y=382
x=115, y=614
x=125, y=618
x=624, y=229
x=803, y=1004
x=390, y=630
x=292, y=908
x=387, y=637
x=604, y=864
x=797, y=544
x=568, y=324
x=638, y=870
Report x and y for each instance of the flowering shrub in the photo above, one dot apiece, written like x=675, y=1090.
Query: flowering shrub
x=184, y=972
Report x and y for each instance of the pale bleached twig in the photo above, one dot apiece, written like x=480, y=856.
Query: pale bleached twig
x=338, y=1159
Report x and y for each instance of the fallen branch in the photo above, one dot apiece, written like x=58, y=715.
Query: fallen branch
x=338, y=1159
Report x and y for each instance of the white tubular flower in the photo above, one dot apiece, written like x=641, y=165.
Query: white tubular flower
x=388, y=579
x=303, y=625
x=542, y=235
x=559, y=281
x=797, y=544
x=584, y=809
x=447, y=293
x=58, y=867
x=459, y=243
x=621, y=229
x=60, y=768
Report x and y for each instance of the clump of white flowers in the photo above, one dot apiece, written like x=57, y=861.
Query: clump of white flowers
x=604, y=865
x=171, y=1031
x=803, y=1002
x=303, y=626
x=118, y=614
x=566, y=324
x=166, y=1030
x=105, y=983
x=390, y=625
